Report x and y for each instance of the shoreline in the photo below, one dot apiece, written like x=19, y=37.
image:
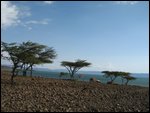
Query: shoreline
x=87, y=77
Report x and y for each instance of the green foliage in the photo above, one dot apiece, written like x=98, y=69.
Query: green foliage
x=128, y=77
x=114, y=74
x=27, y=54
x=14, y=55
x=73, y=67
x=34, y=53
x=78, y=63
x=111, y=74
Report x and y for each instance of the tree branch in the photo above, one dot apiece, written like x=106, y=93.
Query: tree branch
x=68, y=70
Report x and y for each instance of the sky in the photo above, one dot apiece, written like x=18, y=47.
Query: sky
x=112, y=35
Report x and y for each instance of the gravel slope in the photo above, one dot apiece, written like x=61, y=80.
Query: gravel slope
x=52, y=95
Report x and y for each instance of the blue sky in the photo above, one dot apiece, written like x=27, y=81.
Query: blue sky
x=111, y=35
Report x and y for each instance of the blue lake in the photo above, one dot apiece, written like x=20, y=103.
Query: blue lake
x=141, y=79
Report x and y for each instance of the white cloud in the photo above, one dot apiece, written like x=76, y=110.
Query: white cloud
x=126, y=2
x=24, y=11
x=9, y=14
x=43, y=22
x=48, y=2
x=28, y=24
x=29, y=28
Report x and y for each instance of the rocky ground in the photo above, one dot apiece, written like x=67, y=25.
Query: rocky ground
x=52, y=95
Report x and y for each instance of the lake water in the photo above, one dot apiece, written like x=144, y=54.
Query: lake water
x=141, y=79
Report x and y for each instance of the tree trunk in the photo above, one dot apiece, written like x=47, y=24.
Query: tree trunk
x=111, y=80
x=12, y=78
x=127, y=82
x=72, y=76
x=24, y=73
x=31, y=71
x=13, y=74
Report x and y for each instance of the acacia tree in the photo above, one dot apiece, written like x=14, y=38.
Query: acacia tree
x=128, y=77
x=29, y=55
x=73, y=67
x=123, y=75
x=34, y=53
x=107, y=74
x=34, y=61
x=26, y=55
x=112, y=75
x=14, y=53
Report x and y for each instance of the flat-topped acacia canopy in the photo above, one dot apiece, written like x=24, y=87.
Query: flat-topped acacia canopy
x=73, y=67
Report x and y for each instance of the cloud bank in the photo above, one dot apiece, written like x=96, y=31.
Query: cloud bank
x=12, y=15
x=48, y=2
x=9, y=14
x=126, y=2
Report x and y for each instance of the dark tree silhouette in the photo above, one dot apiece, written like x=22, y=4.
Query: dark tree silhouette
x=112, y=75
x=73, y=67
x=128, y=77
x=14, y=55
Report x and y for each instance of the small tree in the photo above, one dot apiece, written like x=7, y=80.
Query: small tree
x=112, y=75
x=14, y=55
x=123, y=75
x=128, y=77
x=34, y=53
x=73, y=67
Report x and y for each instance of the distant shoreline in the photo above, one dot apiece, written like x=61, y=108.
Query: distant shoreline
x=142, y=81
x=62, y=70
